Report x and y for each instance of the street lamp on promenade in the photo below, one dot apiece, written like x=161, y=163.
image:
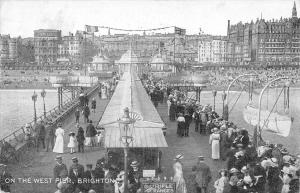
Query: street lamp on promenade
x=224, y=96
x=43, y=95
x=126, y=126
x=214, y=92
x=34, y=98
x=198, y=90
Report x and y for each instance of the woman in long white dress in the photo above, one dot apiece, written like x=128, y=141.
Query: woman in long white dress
x=104, y=92
x=214, y=141
x=178, y=175
x=59, y=142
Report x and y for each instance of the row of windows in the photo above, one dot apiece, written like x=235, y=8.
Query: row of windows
x=278, y=50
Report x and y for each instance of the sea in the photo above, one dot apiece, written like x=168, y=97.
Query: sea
x=16, y=109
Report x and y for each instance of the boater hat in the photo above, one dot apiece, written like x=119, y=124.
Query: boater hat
x=75, y=159
x=234, y=170
x=178, y=157
x=134, y=164
x=58, y=157
x=200, y=157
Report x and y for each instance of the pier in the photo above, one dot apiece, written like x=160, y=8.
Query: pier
x=32, y=164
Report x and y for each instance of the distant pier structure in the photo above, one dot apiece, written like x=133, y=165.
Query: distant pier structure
x=70, y=85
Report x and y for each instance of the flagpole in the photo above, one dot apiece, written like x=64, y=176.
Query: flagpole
x=174, y=46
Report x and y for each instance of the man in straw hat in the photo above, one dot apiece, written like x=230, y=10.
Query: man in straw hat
x=60, y=169
x=50, y=135
x=134, y=176
x=119, y=183
x=180, y=125
x=273, y=176
x=5, y=179
x=76, y=165
x=202, y=175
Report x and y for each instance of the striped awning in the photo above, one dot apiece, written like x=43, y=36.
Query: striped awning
x=148, y=127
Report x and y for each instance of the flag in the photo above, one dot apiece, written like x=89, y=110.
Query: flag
x=91, y=29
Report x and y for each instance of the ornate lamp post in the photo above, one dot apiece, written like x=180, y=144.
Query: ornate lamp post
x=126, y=126
x=214, y=92
x=199, y=93
x=225, y=111
x=43, y=94
x=34, y=98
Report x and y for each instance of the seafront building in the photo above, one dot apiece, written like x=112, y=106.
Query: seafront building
x=212, y=49
x=147, y=45
x=272, y=41
x=46, y=46
x=77, y=49
x=9, y=48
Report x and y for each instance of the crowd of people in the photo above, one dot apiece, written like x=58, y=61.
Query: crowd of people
x=105, y=177
x=268, y=168
x=218, y=78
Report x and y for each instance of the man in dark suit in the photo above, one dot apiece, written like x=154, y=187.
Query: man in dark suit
x=98, y=174
x=41, y=134
x=76, y=165
x=50, y=135
x=60, y=170
x=5, y=178
x=197, y=119
x=77, y=115
x=135, y=174
x=88, y=175
x=188, y=120
x=202, y=175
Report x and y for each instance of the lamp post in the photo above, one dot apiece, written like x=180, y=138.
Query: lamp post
x=43, y=94
x=199, y=90
x=224, y=96
x=34, y=98
x=126, y=126
x=214, y=92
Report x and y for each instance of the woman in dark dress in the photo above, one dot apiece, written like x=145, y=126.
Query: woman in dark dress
x=172, y=111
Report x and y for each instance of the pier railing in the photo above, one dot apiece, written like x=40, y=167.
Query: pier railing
x=53, y=116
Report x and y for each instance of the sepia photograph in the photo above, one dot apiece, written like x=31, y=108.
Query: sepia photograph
x=149, y=96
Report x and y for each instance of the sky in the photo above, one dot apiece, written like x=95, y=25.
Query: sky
x=21, y=17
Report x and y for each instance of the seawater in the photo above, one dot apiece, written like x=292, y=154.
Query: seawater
x=16, y=108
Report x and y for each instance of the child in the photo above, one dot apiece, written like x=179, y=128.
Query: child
x=222, y=184
x=72, y=142
x=99, y=138
x=286, y=179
